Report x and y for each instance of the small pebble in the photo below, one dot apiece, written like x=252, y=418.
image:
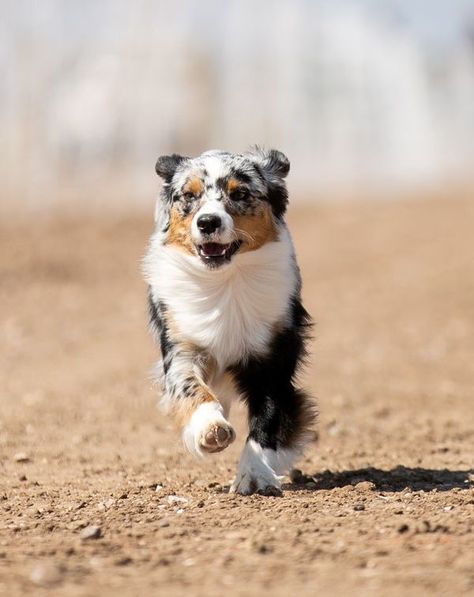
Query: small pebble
x=91, y=532
x=263, y=548
x=359, y=507
x=365, y=486
x=45, y=574
x=21, y=457
x=176, y=499
x=123, y=561
x=163, y=524
x=296, y=476
x=104, y=506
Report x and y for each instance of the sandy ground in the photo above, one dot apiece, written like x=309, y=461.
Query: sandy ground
x=385, y=503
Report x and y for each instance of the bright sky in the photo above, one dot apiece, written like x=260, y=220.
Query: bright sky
x=437, y=21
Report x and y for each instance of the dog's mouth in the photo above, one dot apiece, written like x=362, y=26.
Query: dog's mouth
x=215, y=254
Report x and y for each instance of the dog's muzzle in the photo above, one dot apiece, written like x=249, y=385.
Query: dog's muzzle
x=213, y=236
x=216, y=254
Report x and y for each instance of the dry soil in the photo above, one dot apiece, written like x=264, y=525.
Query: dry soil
x=98, y=497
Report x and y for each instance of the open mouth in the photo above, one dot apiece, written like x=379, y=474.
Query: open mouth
x=217, y=253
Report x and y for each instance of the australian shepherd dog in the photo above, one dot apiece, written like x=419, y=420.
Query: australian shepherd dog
x=225, y=307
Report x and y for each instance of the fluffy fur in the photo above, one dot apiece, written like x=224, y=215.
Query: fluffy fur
x=225, y=306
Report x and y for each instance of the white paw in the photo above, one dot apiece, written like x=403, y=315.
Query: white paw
x=207, y=430
x=255, y=475
x=247, y=483
x=216, y=437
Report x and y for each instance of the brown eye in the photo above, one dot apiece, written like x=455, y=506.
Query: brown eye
x=240, y=194
x=189, y=196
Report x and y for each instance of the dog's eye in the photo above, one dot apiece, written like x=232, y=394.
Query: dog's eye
x=189, y=196
x=240, y=194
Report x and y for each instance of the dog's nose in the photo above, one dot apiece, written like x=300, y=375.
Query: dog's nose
x=208, y=223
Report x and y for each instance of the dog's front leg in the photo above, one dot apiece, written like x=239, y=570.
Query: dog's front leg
x=192, y=404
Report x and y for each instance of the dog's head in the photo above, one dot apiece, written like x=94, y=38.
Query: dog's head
x=220, y=204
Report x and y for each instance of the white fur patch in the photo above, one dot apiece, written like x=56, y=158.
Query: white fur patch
x=231, y=312
x=204, y=417
x=261, y=468
x=213, y=163
x=224, y=389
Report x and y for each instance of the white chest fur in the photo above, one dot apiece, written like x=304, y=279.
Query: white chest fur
x=232, y=311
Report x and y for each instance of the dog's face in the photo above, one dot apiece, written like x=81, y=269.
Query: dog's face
x=220, y=204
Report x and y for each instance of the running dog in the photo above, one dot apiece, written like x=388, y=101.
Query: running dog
x=225, y=307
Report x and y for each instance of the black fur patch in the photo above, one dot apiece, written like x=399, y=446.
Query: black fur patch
x=158, y=324
x=167, y=165
x=278, y=199
x=277, y=193
x=279, y=413
x=277, y=163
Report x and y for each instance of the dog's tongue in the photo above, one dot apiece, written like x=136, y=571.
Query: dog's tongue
x=213, y=249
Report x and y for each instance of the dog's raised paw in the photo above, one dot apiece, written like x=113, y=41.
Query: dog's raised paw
x=217, y=437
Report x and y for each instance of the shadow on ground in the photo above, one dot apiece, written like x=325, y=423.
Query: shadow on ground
x=396, y=479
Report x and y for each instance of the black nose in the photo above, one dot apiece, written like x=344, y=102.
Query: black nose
x=208, y=223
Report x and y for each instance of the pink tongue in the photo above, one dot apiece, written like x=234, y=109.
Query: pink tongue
x=212, y=249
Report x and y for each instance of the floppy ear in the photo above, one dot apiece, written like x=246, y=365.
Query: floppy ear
x=167, y=165
x=274, y=166
x=273, y=162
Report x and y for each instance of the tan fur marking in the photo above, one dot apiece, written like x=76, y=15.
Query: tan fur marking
x=179, y=233
x=232, y=185
x=203, y=371
x=183, y=411
x=195, y=186
x=256, y=230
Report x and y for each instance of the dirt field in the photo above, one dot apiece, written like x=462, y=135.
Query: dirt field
x=385, y=503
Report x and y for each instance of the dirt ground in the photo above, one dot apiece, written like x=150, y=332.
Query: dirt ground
x=385, y=502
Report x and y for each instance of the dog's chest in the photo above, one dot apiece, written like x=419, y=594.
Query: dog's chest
x=233, y=314
x=231, y=320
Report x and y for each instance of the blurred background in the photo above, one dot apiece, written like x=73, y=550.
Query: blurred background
x=373, y=102
x=367, y=98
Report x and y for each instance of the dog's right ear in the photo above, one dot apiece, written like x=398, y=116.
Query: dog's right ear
x=167, y=165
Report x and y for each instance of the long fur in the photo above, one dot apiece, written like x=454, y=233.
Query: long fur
x=226, y=309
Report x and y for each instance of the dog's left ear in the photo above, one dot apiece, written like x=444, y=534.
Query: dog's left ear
x=274, y=165
x=167, y=165
x=273, y=162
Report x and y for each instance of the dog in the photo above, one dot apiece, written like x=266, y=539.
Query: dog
x=225, y=306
